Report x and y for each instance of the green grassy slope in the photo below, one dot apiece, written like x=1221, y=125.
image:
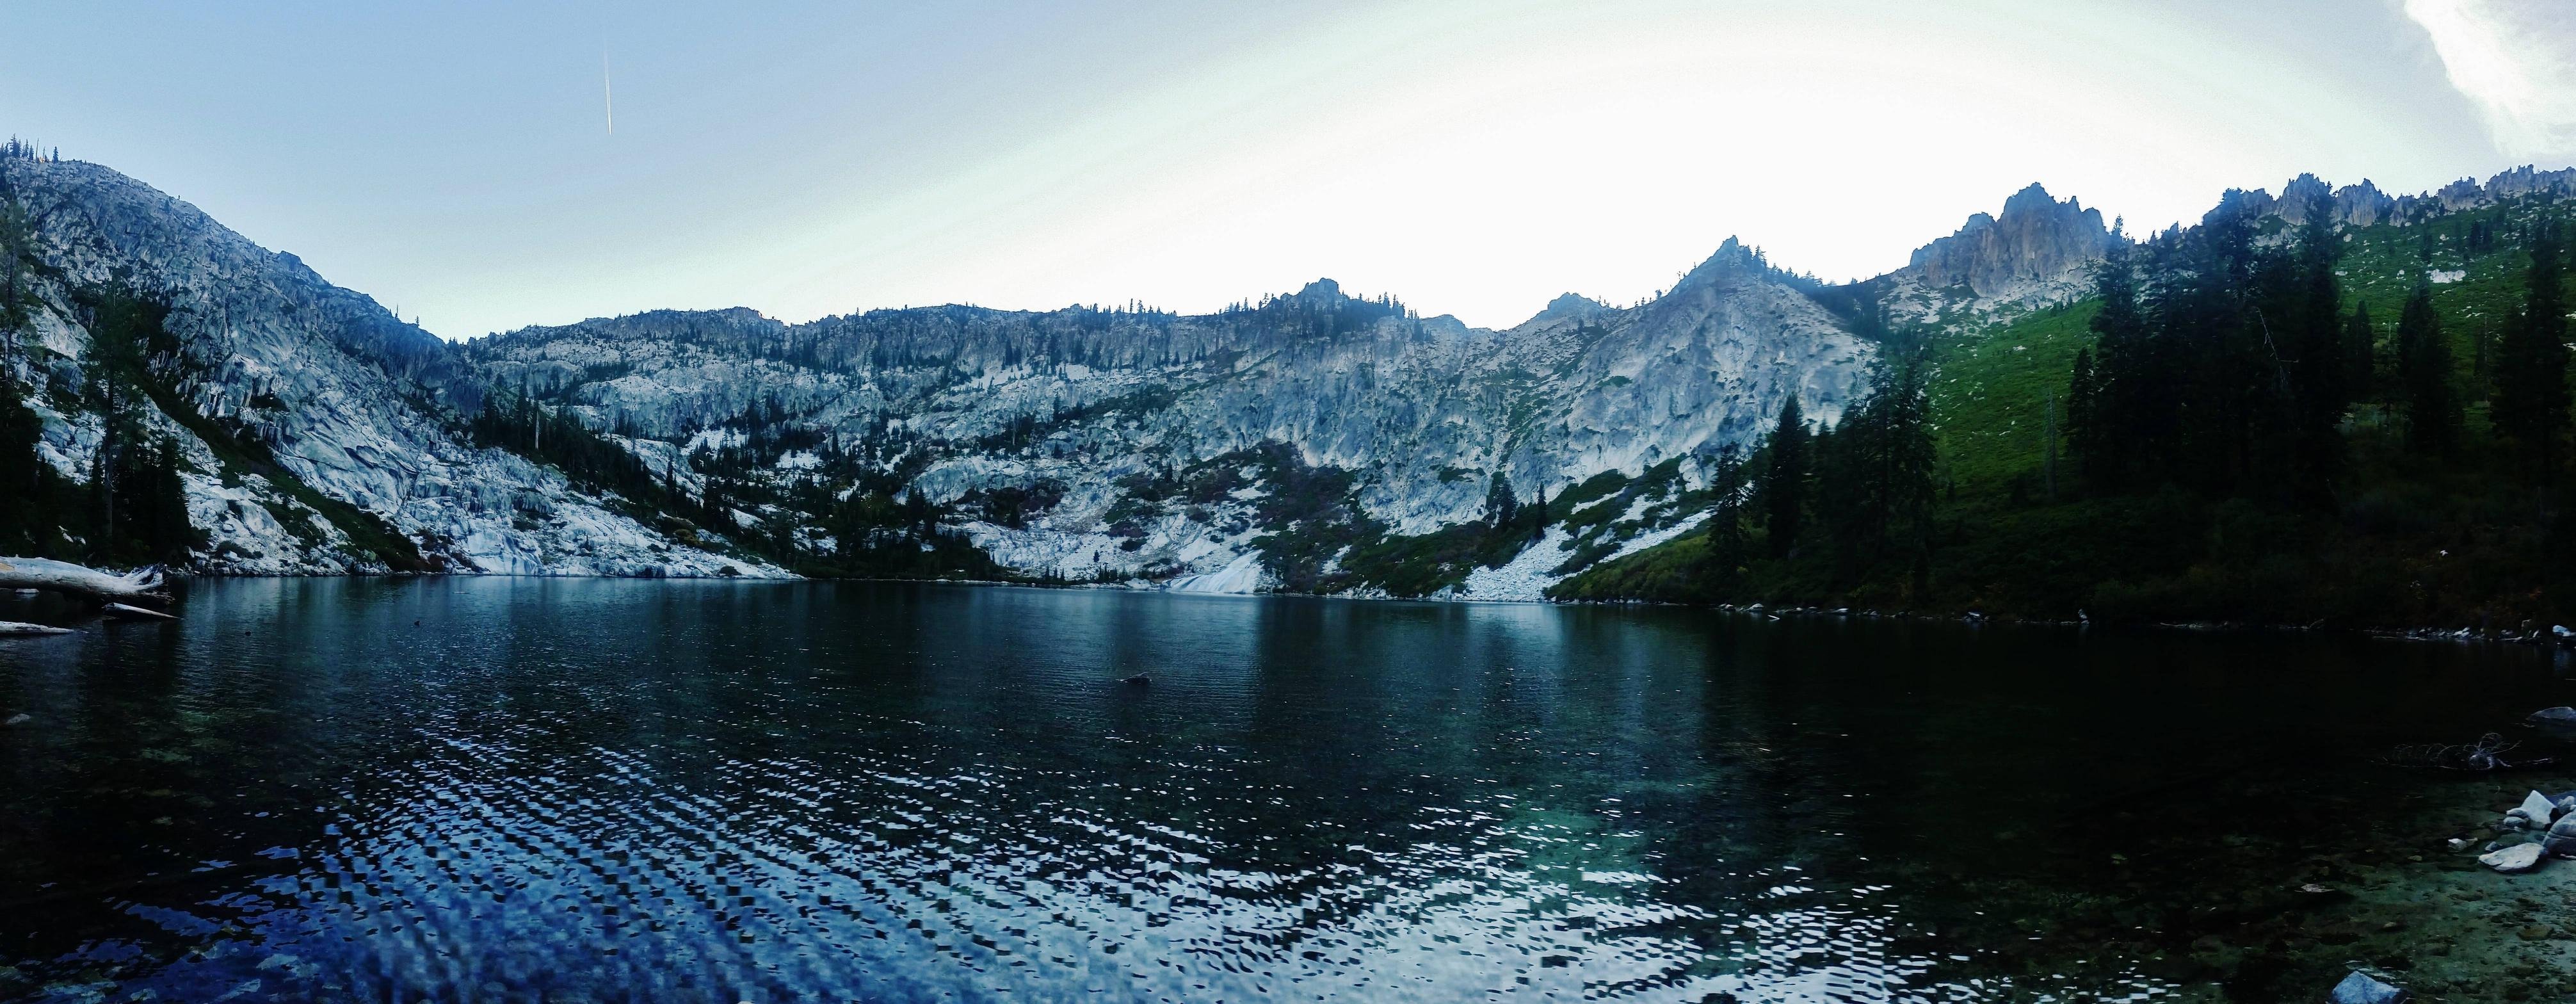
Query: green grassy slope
x=2410, y=543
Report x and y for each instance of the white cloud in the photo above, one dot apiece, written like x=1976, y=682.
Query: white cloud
x=2517, y=60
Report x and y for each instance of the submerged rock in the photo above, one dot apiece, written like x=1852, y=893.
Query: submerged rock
x=2517, y=858
x=2559, y=721
x=2536, y=811
x=2362, y=988
x=2561, y=840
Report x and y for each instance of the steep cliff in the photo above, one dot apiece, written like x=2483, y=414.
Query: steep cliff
x=321, y=433
x=1425, y=413
x=2029, y=251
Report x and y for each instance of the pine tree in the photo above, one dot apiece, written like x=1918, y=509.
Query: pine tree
x=2424, y=377
x=1501, y=509
x=1724, y=547
x=1873, y=472
x=24, y=524
x=2360, y=346
x=2083, y=391
x=1784, y=485
x=2530, y=402
x=2319, y=363
x=151, y=523
x=2127, y=413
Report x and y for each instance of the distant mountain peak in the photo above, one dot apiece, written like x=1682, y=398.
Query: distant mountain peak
x=1322, y=291
x=2034, y=198
x=1568, y=306
x=2036, y=241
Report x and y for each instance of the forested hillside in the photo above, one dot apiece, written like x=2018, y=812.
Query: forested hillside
x=2249, y=420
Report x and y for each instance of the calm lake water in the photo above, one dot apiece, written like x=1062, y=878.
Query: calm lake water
x=496, y=789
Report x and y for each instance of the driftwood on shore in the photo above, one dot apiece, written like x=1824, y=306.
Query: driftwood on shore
x=16, y=629
x=80, y=580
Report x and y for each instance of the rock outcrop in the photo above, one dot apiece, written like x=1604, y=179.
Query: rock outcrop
x=1425, y=412
x=2040, y=251
x=2032, y=249
x=348, y=401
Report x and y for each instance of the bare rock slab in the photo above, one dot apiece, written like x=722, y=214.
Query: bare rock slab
x=2517, y=858
x=2361, y=988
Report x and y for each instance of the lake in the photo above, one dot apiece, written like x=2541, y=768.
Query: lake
x=490, y=789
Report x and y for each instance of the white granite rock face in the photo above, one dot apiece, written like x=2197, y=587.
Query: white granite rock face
x=2035, y=244
x=1425, y=411
x=348, y=399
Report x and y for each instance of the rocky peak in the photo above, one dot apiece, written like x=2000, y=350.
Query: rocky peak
x=2352, y=205
x=1321, y=291
x=1566, y=307
x=2365, y=204
x=1734, y=260
x=2038, y=241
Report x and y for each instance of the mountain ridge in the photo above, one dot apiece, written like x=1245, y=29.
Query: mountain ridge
x=1025, y=432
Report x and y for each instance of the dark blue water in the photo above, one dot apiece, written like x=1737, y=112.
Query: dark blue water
x=495, y=789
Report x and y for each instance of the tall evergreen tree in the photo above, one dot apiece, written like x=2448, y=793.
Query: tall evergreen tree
x=2319, y=363
x=2530, y=402
x=1501, y=509
x=2360, y=346
x=1784, y=484
x=2083, y=392
x=1873, y=472
x=1726, y=550
x=2130, y=401
x=25, y=525
x=2424, y=377
x=151, y=505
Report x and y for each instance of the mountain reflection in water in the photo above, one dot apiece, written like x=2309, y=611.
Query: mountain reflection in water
x=640, y=790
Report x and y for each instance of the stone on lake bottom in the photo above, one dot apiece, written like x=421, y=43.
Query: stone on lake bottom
x=2360, y=988
x=2517, y=858
x=2561, y=840
x=2560, y=719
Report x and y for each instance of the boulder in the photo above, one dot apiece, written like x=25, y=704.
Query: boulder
x=2561, y=840
x=2362, y=988
x=2558, y=721
x=2537, y=809
x=2517, y=858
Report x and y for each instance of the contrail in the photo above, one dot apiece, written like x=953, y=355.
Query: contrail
x=605, y=94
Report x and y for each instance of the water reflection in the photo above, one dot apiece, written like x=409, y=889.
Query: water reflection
x=494, y=789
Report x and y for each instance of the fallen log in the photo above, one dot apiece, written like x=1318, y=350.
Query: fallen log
x=80, y=580
x=20, y=629
x=122, y=612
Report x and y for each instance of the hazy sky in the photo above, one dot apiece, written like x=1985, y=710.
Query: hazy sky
x=1475, y=158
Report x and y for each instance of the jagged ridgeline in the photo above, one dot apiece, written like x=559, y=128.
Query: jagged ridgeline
x=2330, y=407
x=1313, y=441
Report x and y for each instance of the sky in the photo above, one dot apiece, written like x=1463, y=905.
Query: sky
x=462, y=163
